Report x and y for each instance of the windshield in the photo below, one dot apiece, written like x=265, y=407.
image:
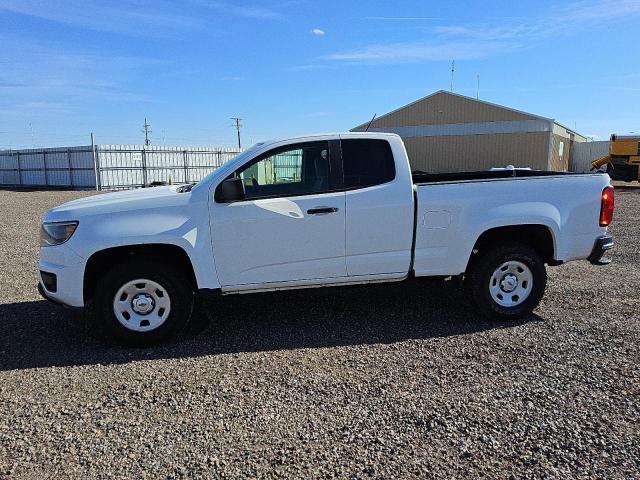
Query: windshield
x=248, y=153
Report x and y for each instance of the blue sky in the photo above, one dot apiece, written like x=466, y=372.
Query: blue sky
x=287, y=67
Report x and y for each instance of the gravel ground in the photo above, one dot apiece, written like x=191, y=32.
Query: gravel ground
x=384, y=381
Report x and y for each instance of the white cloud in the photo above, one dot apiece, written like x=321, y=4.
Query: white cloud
x=317, y=31
x=131, y=17
x=312, y=66
x=412, y=52
x=316, y=114
x=232, y=78
x=559, y=21
x=136, y=17
x=40, y=73
x=466, y=41
x=246, y=11
x=401, y=19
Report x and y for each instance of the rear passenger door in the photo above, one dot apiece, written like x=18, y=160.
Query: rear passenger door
x=379, y=204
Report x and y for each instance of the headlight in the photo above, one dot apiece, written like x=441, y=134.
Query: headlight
x=56, y=233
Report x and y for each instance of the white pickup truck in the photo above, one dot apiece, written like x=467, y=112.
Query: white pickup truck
x=318, y=211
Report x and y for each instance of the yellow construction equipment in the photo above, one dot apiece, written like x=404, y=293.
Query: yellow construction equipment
x=623, y=160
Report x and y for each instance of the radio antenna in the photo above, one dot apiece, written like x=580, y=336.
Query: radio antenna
x=453, y=72
x=372, y=119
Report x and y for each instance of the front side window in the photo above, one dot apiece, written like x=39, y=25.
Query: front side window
x=367, y=162
x=294, y=170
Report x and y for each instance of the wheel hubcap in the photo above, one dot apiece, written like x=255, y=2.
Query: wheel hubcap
x=508, y=283
x=511, y=283
x=141, y=305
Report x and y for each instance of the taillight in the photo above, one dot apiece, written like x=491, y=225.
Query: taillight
x=606, y=206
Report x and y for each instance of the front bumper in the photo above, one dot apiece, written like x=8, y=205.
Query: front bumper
x=60, y=275
x=43, y=292
x=602, y=244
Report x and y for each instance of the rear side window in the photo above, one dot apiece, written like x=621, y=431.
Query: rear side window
x=367, y=162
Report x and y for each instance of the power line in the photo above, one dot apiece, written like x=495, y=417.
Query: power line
x=146, y=131
x=237, y=125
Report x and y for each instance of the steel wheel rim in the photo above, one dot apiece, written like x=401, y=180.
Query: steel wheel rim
x=141, y=305
x=511, y=284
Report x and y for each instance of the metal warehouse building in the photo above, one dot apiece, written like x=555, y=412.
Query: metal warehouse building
x=447, y=132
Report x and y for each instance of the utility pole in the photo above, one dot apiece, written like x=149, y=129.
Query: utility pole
x=146, y=132
x=478, y=91
x=96, y=166
x=33, y=136
x=453, y=71
x=237, y=125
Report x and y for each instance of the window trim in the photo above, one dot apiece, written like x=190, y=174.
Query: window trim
x=276, y=151
x=360, y=187
x=336, y=168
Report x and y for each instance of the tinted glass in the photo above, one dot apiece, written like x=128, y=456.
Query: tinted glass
x=367, y=162
x=297, y=170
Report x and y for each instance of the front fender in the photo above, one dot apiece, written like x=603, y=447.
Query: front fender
x=163, y=226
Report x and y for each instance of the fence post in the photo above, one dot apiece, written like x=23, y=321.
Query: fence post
x=186, y=166
x=96, y=162
x=44, y=161
x=144, y=167
x=69, y=168
x=19, y=169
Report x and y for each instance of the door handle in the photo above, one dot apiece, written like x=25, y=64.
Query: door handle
x=321, y=210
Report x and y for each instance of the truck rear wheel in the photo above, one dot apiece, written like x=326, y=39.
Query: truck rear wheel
x=508, y=281
x=143, y=302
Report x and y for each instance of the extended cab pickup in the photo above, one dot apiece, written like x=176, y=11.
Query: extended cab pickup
x=318, y=211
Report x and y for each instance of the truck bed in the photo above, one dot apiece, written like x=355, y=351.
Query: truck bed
x=453, y=210
x=425, y=177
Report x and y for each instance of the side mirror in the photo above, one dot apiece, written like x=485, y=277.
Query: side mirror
x=231, y=190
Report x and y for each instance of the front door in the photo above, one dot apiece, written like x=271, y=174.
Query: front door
x=290, y=227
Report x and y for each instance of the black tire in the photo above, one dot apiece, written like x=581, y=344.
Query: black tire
x=176, y=285
x=482, y=268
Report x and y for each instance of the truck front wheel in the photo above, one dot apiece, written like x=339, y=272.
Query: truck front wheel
x=507, y=281
x=143, y=302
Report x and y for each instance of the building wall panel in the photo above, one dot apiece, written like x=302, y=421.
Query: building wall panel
x=477, y=128
x=582, y=154
x=560, y=153
x=478, y=152
x=446, y=108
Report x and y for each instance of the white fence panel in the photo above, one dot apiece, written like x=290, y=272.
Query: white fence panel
x=33, y=177
x=9, y=177
x=583, y=153
x=119, y=166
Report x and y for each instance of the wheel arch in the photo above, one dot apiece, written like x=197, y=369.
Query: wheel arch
x=169, y=254
x=537, y=236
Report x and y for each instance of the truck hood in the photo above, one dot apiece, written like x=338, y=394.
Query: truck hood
x=137, y=199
